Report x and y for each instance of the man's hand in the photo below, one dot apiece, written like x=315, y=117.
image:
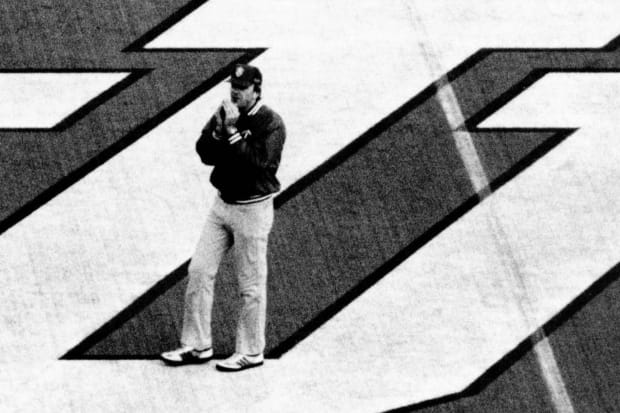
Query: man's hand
x=219, y=121
x=231, y=115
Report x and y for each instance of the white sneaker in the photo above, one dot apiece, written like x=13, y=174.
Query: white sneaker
x=186, y=355
x=238, y=362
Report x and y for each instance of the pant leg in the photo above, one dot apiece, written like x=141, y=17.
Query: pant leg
x=252, y=226
x=216, y=238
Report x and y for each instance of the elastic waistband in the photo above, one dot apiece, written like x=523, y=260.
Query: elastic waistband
x=251, y=200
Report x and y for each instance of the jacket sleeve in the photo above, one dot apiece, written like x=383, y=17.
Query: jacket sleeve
x=209, y=146
x=263, y=151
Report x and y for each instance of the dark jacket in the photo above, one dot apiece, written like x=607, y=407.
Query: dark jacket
x=246, y=169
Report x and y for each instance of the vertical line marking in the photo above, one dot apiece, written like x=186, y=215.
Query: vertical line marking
x=477, y=175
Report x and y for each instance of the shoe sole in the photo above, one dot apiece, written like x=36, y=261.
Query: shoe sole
x=233, y=370
x=175, y=363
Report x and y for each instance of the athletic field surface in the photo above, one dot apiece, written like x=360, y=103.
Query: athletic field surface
x=446, y=238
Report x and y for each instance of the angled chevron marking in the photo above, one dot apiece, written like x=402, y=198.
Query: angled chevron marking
x=62, y=185
x=133, y=229
x=110, y=122
x=567, y=253
x=372, y=171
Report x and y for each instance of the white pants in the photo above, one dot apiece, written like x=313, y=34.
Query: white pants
x=246, y=227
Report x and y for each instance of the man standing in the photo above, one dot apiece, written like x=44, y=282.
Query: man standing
x=243, y=140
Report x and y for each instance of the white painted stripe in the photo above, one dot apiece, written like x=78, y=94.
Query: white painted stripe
x=480, y=181
x=542, y=348
x=41, y=100
x=449, y=312
x=463, y=139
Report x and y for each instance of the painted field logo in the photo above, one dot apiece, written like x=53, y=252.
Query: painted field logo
x=102, y=207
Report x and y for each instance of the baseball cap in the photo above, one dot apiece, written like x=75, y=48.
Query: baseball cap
x=245, y=75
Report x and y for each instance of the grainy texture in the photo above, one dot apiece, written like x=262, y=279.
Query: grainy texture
x=377, y=204
x=337, y=232
x=44, y=163
x=584, y=338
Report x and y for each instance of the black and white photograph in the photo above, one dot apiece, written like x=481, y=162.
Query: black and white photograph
x=273, y=206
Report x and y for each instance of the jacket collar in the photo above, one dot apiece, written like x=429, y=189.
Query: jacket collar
x=255, y=108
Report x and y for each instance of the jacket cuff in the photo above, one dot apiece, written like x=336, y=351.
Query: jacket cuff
x=234, y=138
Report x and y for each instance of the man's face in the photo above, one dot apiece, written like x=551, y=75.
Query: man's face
x=244, y=98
